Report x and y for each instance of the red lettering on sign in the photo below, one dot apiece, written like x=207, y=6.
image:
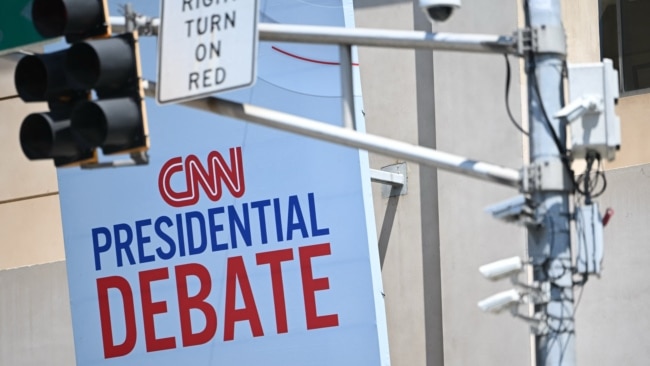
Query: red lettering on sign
x=274, y=259
x=210, y=179
x=151, y=308
x=236, y=272
x=310, y=285
x=191, y=301
x=122, y=285
x=187, y=303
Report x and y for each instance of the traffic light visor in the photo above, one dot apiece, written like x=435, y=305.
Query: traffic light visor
x=41, y=137
x=38, y=77
x=111, y=123
x=75, y=19
x=103, y=63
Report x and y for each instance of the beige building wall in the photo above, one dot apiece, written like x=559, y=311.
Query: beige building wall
x=29, y=203
x=612, y=319
x=35, y=323
x=440, y=234
x=400, y=235
x=581, y=21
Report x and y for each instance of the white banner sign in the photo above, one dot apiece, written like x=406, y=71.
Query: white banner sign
x=237, y=244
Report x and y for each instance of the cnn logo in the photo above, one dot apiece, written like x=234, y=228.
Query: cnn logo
x=210, y=178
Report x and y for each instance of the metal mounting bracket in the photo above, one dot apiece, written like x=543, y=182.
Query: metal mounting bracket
x=536, y=293
x=546, y=175
x=394, y=179
x=136, y=158
x=517, y=210
x=540, y=293
x=543, y=39
x=536, y=322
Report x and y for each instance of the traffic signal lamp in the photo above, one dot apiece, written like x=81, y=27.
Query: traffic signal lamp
x=76, y=125
x=74, y=19
x=116, y=121
x=49, y=135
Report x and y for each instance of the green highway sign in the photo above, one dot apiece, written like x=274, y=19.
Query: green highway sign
x=16, y=28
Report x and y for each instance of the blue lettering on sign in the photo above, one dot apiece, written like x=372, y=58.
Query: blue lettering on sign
x=195, y=222
x=260, y=205
x=189, y=233
x=214, y=228
x=162, y=254
x=123, y=243
x=295, y=221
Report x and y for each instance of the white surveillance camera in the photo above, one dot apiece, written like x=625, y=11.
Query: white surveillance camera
x=511, y=210
x=439, y=10
x=580, y=107
x=502, y=268
x=501, y=301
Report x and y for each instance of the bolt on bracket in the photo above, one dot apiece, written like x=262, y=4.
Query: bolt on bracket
x=394, y=179
x=542, y=39
x=546, y=175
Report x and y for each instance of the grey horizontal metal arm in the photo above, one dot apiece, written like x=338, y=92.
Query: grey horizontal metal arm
x=347, y=137
x=388, y=38
x=483, y=43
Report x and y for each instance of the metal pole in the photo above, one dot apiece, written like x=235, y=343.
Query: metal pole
x=340, y=135
x=549, y=245
x=484, y=43
x=129, y=18
x=347, y=87
x=481, y=43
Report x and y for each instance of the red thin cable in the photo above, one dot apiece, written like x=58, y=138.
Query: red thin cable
x=308, y=59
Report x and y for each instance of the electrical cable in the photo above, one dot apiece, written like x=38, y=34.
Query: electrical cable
x=546, y=264
x=569, y=330
x=600, y=172
x=564, y=156
x=508, y=80
x=587, y=178
x=2, y=99
x=582, y=289
x=533, y=68
x=589, y=183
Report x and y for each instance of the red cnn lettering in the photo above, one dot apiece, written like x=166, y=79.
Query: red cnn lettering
x=310, y=285
x=122, y=285
x=187, y=303
x=274, y=259
x=236, y=272
x=151, y=308
x=218, y=173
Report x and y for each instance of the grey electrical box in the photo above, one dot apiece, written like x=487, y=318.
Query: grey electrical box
x=594, y=125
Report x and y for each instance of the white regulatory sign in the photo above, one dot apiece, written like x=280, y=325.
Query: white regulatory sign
x=204, y=47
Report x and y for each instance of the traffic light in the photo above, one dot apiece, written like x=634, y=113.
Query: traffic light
x=76, y=124
x=49, y=135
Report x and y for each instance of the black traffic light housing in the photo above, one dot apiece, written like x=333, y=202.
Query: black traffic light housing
x=74, y=19
x=77, y=125
x=116, y=121
x=49, y=135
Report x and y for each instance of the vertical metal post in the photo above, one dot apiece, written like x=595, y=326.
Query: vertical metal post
x=549, y=245
x=347, y=92
x=129, y=18
x=130, y=25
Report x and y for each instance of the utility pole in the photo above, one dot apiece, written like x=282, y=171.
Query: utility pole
x=549, y=244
